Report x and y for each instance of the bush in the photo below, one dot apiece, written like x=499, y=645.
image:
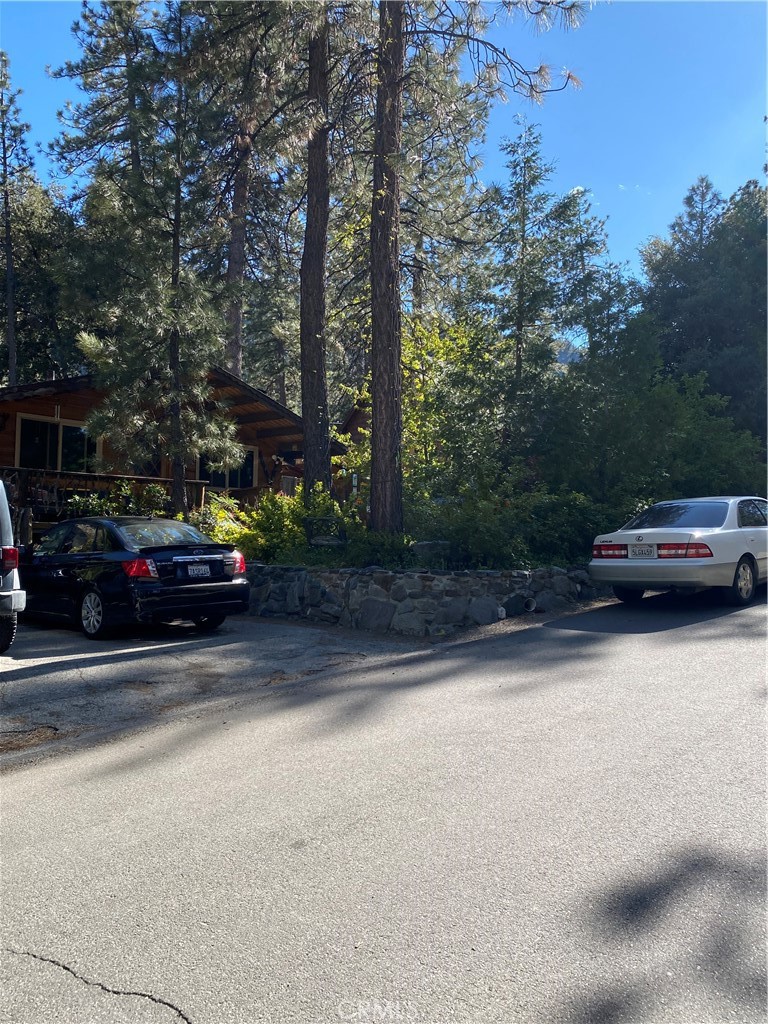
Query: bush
x=272, y=531
x=524, y=530
x=123, y=500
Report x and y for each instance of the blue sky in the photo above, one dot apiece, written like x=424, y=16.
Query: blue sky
x=671, y=90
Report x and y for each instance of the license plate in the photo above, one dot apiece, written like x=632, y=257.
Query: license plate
x=642, y=550
x=198, y=570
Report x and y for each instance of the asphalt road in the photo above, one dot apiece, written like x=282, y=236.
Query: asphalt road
x=564, y=823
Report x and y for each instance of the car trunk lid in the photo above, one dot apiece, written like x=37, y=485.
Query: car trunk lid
x=652, y=544
x=189, y=565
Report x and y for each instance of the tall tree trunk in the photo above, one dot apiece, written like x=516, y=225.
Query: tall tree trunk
x=237, y=249
x=10, y=273
x=10, y=291
x=278, y=384
x=178, y=467
x=386, y=370
x=419, y=260
x=314, y=391
x=521, y=285
x=133, y=116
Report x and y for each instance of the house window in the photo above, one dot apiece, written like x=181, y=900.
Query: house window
x=243, y=476
x=53, y=445
x=78, y=450
x=233, y=479
x=39, y=446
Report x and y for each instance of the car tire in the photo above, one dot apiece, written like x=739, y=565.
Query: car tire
x=207, y=623
x=8, y=626
x=628, y=595
x=742, y=590
x=92, y=616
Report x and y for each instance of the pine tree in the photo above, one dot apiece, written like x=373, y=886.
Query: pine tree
x=441, y=21
x=386, y=374
x=707, y=293
x=164, y=334
x=243, y=56
x=15, y=166
x=314, y=390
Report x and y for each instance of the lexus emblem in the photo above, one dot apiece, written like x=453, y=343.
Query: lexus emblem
x=199, y=551
x=639, y=537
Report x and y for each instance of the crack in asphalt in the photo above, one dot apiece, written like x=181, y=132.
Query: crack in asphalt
x=98, y=984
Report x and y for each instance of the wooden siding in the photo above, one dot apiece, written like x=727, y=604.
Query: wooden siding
x=275, y=432
x=74, y=407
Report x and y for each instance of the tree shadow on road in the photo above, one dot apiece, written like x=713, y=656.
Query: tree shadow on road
x=559, y=652
x=660, y=613
x=690, y=931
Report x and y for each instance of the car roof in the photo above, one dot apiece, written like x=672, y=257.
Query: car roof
x=713, y=497
x=121, y=520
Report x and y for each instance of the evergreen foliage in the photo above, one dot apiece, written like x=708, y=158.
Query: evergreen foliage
x=225, y=153
x=707, y=292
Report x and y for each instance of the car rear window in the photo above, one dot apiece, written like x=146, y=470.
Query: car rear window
x=160, y=533
x=690, y=514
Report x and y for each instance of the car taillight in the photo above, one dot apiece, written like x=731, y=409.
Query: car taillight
x=671, y=550
x=692, y=550
x=10, y=559
x=235, y=564
x=609, y=551
x=140, y=568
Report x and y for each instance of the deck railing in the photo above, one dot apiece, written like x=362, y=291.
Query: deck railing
x=41, y=495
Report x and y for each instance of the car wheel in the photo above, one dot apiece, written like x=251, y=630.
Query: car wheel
x=742, y=590
x=8, y=625
x=93, y=619
x=207, y=623
x=628, y=595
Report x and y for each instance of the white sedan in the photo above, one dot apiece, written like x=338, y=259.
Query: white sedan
x=686, y=545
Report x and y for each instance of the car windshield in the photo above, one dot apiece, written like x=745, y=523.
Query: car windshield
x=688, y=514
x=154, y=533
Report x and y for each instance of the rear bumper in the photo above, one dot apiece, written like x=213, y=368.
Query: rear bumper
x=152, y=602
x=13, y=601
x=657, y=575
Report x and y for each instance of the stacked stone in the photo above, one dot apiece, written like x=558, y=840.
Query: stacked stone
x=417, y=603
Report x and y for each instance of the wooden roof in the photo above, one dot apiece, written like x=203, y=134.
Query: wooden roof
x=45, y=388
x=262, y=421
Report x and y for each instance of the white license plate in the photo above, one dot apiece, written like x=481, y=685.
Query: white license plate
x=199, y=570
x=642, y=550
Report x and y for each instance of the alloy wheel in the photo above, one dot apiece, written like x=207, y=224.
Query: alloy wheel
x=745, y=582
x=92, y=613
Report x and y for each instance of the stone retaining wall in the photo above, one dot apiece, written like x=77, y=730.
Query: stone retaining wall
x=418, y=603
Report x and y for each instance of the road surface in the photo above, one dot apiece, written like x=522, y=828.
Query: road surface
x=564, y=824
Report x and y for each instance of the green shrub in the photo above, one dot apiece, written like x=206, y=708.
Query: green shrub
x=149, y=500
x=521, y=530
x=89, y=505
x=125, y=499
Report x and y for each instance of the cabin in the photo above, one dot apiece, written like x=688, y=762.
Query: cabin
x=47, y=455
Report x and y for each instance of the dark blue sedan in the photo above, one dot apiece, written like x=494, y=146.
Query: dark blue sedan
x=102, y=572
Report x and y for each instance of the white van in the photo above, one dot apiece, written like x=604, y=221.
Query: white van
x=12, y=598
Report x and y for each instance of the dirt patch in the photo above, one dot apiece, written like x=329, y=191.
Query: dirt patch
x=206, y=679
x=279, y=677
x=24, y=739
x=173, y=705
